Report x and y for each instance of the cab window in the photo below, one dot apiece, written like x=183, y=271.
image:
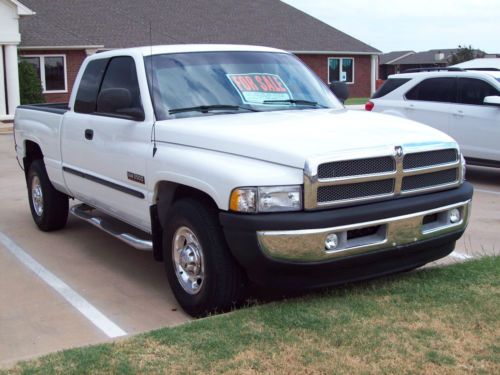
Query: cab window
x=119, y=93
x=86, y=97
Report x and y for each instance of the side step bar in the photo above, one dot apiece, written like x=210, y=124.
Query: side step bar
x=112, y=226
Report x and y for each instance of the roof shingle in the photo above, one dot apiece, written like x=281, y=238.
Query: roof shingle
x=125, y=23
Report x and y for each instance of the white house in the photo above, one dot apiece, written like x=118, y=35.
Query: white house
x=10, y=12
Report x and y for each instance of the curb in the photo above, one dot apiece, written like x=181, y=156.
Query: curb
x=6, y=128
x=359, y=107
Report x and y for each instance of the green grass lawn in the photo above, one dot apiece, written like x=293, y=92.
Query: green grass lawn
x=435, y=321
x=354, y=101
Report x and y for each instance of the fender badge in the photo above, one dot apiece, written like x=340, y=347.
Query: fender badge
x=135, y=177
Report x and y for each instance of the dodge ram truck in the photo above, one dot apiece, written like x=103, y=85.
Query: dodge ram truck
x=236, y=165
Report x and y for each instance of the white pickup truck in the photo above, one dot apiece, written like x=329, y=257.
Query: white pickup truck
x=237, y=164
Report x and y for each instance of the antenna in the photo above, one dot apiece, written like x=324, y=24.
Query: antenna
x=151, y=85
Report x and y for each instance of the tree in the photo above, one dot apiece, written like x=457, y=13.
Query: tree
x=29, y=84
x=465, y=53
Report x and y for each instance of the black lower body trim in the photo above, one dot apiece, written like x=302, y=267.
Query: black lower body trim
x=240, y=233
x=109, y=184
x=360, y=267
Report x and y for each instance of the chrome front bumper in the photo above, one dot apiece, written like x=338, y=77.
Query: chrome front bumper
x=309, y=245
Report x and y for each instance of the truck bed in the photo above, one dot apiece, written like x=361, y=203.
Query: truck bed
x=59, y=108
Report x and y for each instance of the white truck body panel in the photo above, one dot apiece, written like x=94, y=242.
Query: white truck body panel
x=291, y=137
x=214, y=154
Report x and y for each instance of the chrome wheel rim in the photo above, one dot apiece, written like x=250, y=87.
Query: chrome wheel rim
x=187, y=255
x=37, y=196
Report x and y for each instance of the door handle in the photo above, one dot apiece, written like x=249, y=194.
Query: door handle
x=459, y=114
x=89, y=134
x=410, y=107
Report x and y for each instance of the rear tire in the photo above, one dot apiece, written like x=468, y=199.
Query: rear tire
x=49, y=207
x=202, y=272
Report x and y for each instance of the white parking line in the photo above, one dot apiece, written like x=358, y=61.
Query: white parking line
x=77, y=301
x=487, y=191
x=461, y=256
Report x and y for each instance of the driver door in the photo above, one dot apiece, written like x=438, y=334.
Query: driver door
x=104, y=151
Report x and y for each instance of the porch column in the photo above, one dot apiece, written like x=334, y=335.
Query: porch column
x=374, y=74
x=13, y=96
x=3, y=99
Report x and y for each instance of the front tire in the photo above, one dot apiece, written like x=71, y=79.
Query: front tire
x=49, y=207
x=202, y=272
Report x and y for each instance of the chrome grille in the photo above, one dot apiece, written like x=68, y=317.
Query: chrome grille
x=329, y=183
x=426, y=180
x=356, y=167
x=429, y=158
x=352, y=191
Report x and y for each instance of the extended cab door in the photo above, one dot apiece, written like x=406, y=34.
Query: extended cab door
x=431, y=101
x=105, y=144
x=475, y=125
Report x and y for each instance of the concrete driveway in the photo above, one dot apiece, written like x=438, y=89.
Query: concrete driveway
x=125, y=285
x=82, y=279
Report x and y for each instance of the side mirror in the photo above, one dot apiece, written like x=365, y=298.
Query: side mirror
x=118, y=102
x=492, y=100
x=340, y=90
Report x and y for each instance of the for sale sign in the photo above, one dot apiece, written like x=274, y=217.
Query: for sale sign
x=259, y=88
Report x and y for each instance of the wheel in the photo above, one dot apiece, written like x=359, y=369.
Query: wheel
x=202, y=272
x=49, y=207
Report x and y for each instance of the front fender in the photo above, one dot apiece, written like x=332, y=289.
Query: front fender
x=215, y=173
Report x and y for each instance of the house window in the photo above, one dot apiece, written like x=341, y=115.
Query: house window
x=51, y=69
x=341, y=69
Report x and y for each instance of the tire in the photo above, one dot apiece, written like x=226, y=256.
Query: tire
x=193, y=236
x=49, y=207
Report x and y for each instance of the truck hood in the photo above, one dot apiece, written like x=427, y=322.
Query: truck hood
x=292, y=137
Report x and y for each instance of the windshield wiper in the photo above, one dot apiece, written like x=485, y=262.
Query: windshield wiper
x=294, y=101
x=213, y=107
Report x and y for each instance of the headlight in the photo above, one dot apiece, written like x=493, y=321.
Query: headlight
x=463, y=167
x=266, y=199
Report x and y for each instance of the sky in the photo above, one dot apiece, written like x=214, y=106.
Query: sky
x=421, y=25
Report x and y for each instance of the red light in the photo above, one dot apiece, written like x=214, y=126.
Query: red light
x=369, y=106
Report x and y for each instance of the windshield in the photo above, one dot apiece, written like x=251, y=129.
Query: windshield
x=210, y=83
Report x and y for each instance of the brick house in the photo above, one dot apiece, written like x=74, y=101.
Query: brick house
x=61, y=34
x=388, y=63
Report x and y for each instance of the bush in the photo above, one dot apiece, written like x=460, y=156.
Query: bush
x=29, y=84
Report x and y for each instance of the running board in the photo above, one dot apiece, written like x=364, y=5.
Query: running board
x=112, y=226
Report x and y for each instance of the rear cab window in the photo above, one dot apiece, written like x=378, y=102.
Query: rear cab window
x=86, y=97
x=389, y=86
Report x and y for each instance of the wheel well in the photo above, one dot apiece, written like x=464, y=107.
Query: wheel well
x=167, y=194
x=33, y=152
